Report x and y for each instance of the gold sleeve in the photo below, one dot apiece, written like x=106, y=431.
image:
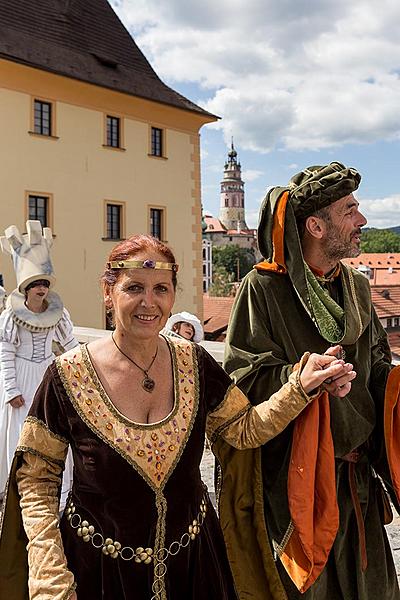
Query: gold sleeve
x=38, y=480
x=245, y=426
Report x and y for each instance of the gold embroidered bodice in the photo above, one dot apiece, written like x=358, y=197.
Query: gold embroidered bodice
x=152, y=449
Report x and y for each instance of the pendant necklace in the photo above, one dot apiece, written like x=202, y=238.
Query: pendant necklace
x=148, y=384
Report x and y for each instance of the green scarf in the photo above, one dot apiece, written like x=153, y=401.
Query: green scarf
x=326, y=313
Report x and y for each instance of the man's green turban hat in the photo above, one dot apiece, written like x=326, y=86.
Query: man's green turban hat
x=317, y=187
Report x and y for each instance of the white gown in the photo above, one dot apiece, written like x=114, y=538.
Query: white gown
x=24, y=357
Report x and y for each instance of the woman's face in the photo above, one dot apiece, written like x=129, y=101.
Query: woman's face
x=37, y=292
x=142, y=299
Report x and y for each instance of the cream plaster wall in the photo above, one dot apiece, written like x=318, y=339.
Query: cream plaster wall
x=81, y=174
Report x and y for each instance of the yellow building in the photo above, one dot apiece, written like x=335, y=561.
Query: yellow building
x=94, y=145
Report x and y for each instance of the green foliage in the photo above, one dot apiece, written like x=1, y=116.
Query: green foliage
x=222, y=282
x=234, y=259
x=380, y=240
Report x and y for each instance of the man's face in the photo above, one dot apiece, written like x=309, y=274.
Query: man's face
x=342, y=234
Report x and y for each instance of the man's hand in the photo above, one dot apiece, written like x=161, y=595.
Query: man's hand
x=322, y=367
x=337, y=386
x=17, y=402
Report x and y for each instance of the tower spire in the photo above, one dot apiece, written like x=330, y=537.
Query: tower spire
x=232, y=213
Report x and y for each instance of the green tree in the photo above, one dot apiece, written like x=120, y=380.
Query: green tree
x=233, y=258
x=380, y=240
x=221, y=282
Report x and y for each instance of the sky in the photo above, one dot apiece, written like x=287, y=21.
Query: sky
x=295, y=82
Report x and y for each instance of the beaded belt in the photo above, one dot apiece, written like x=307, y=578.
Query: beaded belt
x=114, y=549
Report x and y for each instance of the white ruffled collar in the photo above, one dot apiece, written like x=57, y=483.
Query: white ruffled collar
x=24, y=317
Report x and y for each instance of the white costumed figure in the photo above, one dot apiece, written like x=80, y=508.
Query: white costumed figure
x=34, y=318
x=184, y=325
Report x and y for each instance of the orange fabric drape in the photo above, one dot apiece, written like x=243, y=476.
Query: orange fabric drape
x=312, y=495
x=392, y=427
x=278, y=244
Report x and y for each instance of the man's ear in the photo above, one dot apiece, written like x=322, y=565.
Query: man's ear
x=315, y=227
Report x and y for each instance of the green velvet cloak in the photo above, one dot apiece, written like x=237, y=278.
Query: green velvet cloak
x=271, y=327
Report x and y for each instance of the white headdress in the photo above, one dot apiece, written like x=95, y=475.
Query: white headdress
x=30, y=253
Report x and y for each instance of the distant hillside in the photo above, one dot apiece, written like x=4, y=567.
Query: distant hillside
x=392, y=229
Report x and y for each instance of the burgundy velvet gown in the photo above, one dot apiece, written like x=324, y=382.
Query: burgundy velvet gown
x=138, y=486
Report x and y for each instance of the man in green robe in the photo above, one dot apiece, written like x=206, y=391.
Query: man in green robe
x=303, y=517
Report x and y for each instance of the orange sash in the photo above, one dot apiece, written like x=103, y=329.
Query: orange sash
x=392, y=427
x=312, y=495
x=278, y=244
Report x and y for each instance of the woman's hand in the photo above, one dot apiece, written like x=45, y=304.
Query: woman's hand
x=73, y=597
x=17, y=402
x=325, y=369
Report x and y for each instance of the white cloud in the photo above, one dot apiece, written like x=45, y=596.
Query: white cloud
x=294, y=74
x=382, y=212
x=251, y=174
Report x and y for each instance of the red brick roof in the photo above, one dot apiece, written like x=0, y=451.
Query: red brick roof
x=394, y=343
x=85, y=40
x=216, y=313
x=386, y=300
x=386, y=267
x=214, y=225
x=242, y=232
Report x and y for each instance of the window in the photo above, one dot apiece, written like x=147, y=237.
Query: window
x=396, y=321
x=156, y=141
x=113, y=132
x=113, y=222
x=389, y=323
x=42, y=117
x=38, y=209
x=156, y=222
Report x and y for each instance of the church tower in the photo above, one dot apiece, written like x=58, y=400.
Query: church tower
x=231, y=212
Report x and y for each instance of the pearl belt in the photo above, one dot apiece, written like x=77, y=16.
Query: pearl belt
x=114, y=549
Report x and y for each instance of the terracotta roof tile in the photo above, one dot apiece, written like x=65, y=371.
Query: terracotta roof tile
x=214, y=225
x=386, y=301
x=85, y=40
x=394, y=343
x=216, y=313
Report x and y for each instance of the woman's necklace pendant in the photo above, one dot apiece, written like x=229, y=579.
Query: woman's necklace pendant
x=148, y=384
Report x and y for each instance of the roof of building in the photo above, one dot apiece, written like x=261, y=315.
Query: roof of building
x=216, y=311
x=214, y=225
x=385, y=268
x=375, y=260
x=242, y=232
x=386, y=300
x=394, y=343
x=85, y=40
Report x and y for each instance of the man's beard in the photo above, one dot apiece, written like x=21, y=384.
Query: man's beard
x=336, y=248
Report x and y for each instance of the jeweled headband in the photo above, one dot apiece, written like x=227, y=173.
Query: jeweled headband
x=142, y=264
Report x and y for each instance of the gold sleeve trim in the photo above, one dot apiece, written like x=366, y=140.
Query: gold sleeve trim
x=37, y=439
x=232, y=407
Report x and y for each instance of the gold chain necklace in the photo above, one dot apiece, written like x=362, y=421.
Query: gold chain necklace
x=148, y=384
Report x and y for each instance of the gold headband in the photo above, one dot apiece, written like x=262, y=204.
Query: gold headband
x=142, y=264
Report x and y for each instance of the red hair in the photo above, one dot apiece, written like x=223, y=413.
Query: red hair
x=128, y=248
